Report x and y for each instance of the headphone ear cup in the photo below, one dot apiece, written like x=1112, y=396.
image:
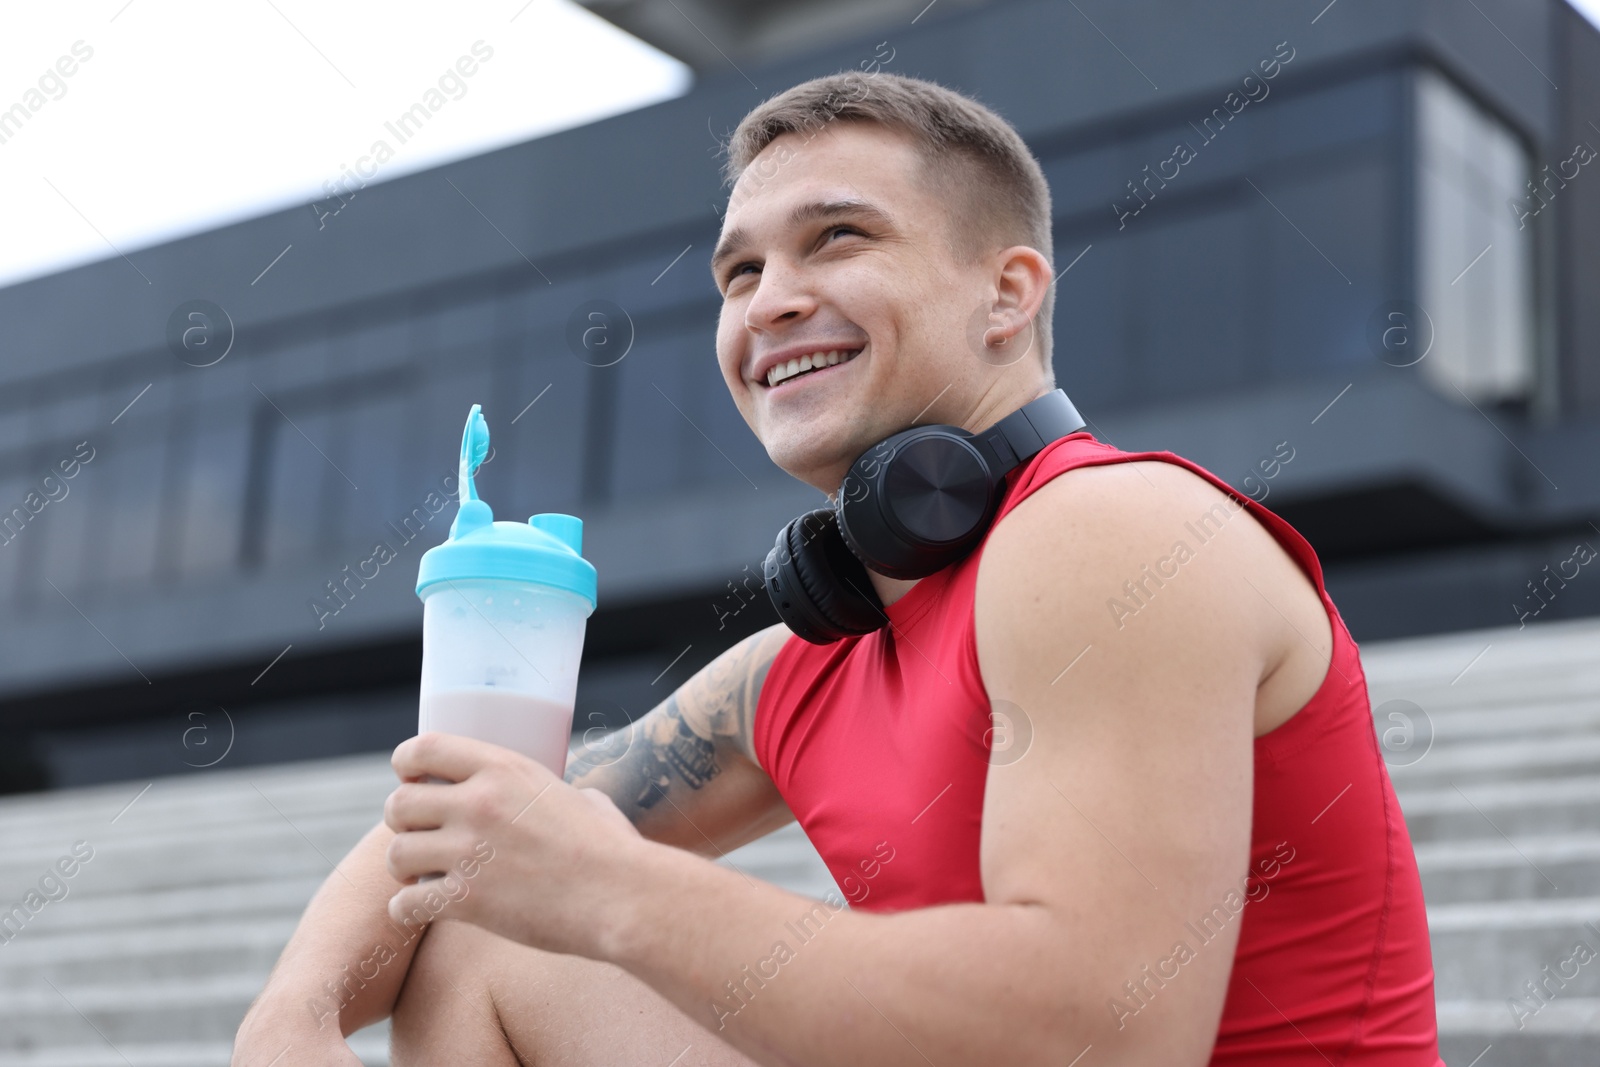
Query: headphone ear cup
x=820, y=590
x=919, y=501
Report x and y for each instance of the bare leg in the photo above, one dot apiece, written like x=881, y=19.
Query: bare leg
x=472, y=997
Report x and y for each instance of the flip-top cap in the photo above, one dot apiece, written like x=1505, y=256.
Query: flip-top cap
x=546, y=550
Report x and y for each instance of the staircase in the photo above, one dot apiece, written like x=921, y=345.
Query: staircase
x=1504, y=814
x=168, y=930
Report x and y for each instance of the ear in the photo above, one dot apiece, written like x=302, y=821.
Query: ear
x=1021, y=285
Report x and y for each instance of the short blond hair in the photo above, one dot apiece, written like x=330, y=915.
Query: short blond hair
x=973, y=159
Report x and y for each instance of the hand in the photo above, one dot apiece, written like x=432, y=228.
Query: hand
x=524, y=855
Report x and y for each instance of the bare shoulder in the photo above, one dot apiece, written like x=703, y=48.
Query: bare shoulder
x=1104, y=512
x=1155, y=563
x=1142, y=546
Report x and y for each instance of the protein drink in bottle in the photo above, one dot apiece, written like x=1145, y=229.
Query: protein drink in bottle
x=504, y=606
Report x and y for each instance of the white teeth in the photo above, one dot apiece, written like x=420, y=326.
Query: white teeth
x=810, y=361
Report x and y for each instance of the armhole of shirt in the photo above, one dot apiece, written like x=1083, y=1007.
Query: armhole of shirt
x=761, y=721
x=1299, y=730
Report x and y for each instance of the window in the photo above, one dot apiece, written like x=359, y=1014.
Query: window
x=1474, y=263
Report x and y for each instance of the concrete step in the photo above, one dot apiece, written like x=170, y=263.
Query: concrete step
x=205, y=948
x=1516, y=720
x=1567, y=754
x=204, y=1009
x=250, y=851
x=294, y=788
x=1518, y=808
x=370, y=1045
x=1467, y=659
x=1485, y=1033
x=1484, y=689
x=1495, y=868
x=1489, y=950
x=61, y=936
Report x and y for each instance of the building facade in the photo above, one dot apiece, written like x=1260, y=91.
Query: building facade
x=1364, y=236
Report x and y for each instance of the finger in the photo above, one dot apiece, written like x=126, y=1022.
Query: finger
x=607, y=807
x=417, y=806
x=448, y=756
x=418, y=852
x=419, y=904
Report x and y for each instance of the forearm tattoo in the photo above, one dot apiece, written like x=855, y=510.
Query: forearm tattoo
x=688, y=738
x=682, y=752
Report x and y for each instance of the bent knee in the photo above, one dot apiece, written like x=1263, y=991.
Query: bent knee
x=449, y=963
x=446, y=1009
x=458, y=959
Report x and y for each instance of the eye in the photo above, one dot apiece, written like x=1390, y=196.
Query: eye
x=736, y=271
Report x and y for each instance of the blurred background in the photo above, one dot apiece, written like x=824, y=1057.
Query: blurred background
x=260, y=261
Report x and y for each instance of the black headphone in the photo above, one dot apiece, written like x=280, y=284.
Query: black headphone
x=914, y=503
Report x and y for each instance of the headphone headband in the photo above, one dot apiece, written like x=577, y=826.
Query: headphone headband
x=1024, y=433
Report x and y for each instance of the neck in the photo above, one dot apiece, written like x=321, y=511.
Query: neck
x=890, y=589
x=979, y=415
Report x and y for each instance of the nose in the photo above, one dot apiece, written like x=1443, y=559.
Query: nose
x=781, y=298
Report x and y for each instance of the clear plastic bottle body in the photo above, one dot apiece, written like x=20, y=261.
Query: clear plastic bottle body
x=500, y=663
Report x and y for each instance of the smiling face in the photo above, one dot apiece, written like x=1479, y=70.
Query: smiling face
x=838, y=245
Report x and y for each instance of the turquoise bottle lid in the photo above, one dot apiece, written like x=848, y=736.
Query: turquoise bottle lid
x=545, y=550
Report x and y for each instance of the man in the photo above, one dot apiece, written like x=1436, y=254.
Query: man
x=1148, y=880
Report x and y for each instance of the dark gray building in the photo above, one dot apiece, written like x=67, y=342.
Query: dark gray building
x=1367, y=231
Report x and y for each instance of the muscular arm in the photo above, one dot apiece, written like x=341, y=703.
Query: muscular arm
x=1129, y=814
x=685, y=774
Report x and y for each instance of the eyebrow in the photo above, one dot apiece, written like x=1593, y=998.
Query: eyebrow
x=738, y=239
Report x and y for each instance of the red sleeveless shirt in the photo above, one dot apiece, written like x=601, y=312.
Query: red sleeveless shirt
x=880, y=745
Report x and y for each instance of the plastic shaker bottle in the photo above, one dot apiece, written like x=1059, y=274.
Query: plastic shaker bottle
x=504, y=605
